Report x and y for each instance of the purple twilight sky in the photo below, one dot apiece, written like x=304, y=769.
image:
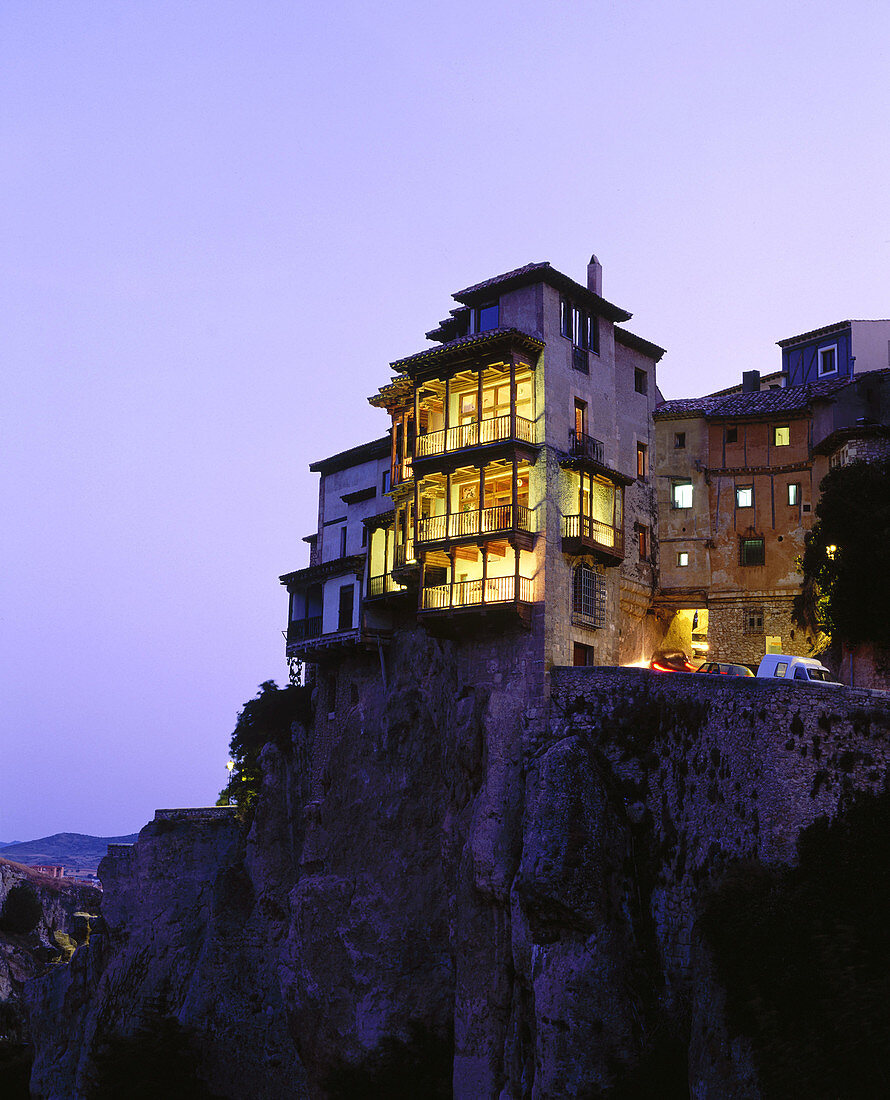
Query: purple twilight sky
x=220, y=223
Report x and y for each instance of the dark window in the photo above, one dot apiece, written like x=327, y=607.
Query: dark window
x=751, y=551
x=582, y=655
x=641, y=381
x=384, y=482
x=364, y=535
x=588, y=596
x=732, y=435
x=642, y=468
x=754, y=620
x=679, y=441
x=487, y=317
x=579, y=326
x=343, y=542
x=347, y=598
x=827, y=360
x=580, y=361
x=793, y=492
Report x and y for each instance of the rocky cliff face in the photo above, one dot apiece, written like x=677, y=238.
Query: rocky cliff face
x=451, y=885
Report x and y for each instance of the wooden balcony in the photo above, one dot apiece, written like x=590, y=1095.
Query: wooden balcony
x=582, y=534
x=496, y=434
x=495, y=597
x=479, y=522
x=300, y=630
x=383, y=586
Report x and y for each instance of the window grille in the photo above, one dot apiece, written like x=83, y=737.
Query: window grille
x=754, y=620
x=588, y=596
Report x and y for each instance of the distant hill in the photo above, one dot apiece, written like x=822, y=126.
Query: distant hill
x=76, y=851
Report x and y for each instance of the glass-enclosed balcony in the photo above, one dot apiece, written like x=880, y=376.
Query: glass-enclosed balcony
x=596, y=522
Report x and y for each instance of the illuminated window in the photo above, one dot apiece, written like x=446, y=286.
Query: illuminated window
x=751, y=551
x=681, y=494
x=794, y=492
x=683, y=558
x=782, y=436
x=828, y=360
x=641, y=381
x=744, y=496
x=643, y=541
x=679, y=441
x=642, y=465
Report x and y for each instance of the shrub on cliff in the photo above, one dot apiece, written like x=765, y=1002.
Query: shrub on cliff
x=846, y=561
x=804, y=956
x=21, y=910
x=266, y=719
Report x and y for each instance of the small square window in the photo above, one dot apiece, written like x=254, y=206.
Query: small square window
x=782, y=436
x=641, y=381
x=732, y=435
x=683, y=558
x=681, y=494
x=751, y=551
x=679, y=441
x=642, y=464
x=744, y=496
x=828, y=360
x=754, y=620
x=794, y=492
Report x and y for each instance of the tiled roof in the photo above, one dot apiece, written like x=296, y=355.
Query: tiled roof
x=365, y=452
x=543, y=273
x=477, y=340
x=756, y=403
x=824, y=331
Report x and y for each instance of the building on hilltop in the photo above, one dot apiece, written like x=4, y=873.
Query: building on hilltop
x=839, y=351
x=519, y=495
x=737, y=477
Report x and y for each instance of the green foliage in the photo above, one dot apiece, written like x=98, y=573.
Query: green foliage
x=22, y=910
x=159, y=1060
x=804, y=956
x=264, y=719
x=419, y=1066
x=846, y=562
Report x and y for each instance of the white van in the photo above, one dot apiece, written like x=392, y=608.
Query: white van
x=782, y=667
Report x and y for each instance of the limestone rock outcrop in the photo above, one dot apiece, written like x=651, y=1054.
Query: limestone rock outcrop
x=449, y=882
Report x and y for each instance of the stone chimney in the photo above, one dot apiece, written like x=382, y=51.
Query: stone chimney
x=750, y=381
x=595, y=276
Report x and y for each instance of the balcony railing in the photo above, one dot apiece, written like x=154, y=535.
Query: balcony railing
x=593, y=532
x=402, y=472
x=404, y=554
x=585, y=446
x=477, y=592
x=300, y=630
x=493, y=430
x=484, y=521
x=383, y=586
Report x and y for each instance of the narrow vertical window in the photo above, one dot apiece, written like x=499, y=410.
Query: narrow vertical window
x=580, y=418
x=343, y=542
x=794, y=492
x=641, y=381
x=642, y=465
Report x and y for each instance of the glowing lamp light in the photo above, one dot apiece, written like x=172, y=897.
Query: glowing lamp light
x=830, y=552
x=230, y=766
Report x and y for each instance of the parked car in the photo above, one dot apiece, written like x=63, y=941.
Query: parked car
x=782, y=666
x=725, y=668
x=671, y=661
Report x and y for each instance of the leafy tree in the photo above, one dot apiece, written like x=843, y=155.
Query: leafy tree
x=264, y=719
x=846, y=562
